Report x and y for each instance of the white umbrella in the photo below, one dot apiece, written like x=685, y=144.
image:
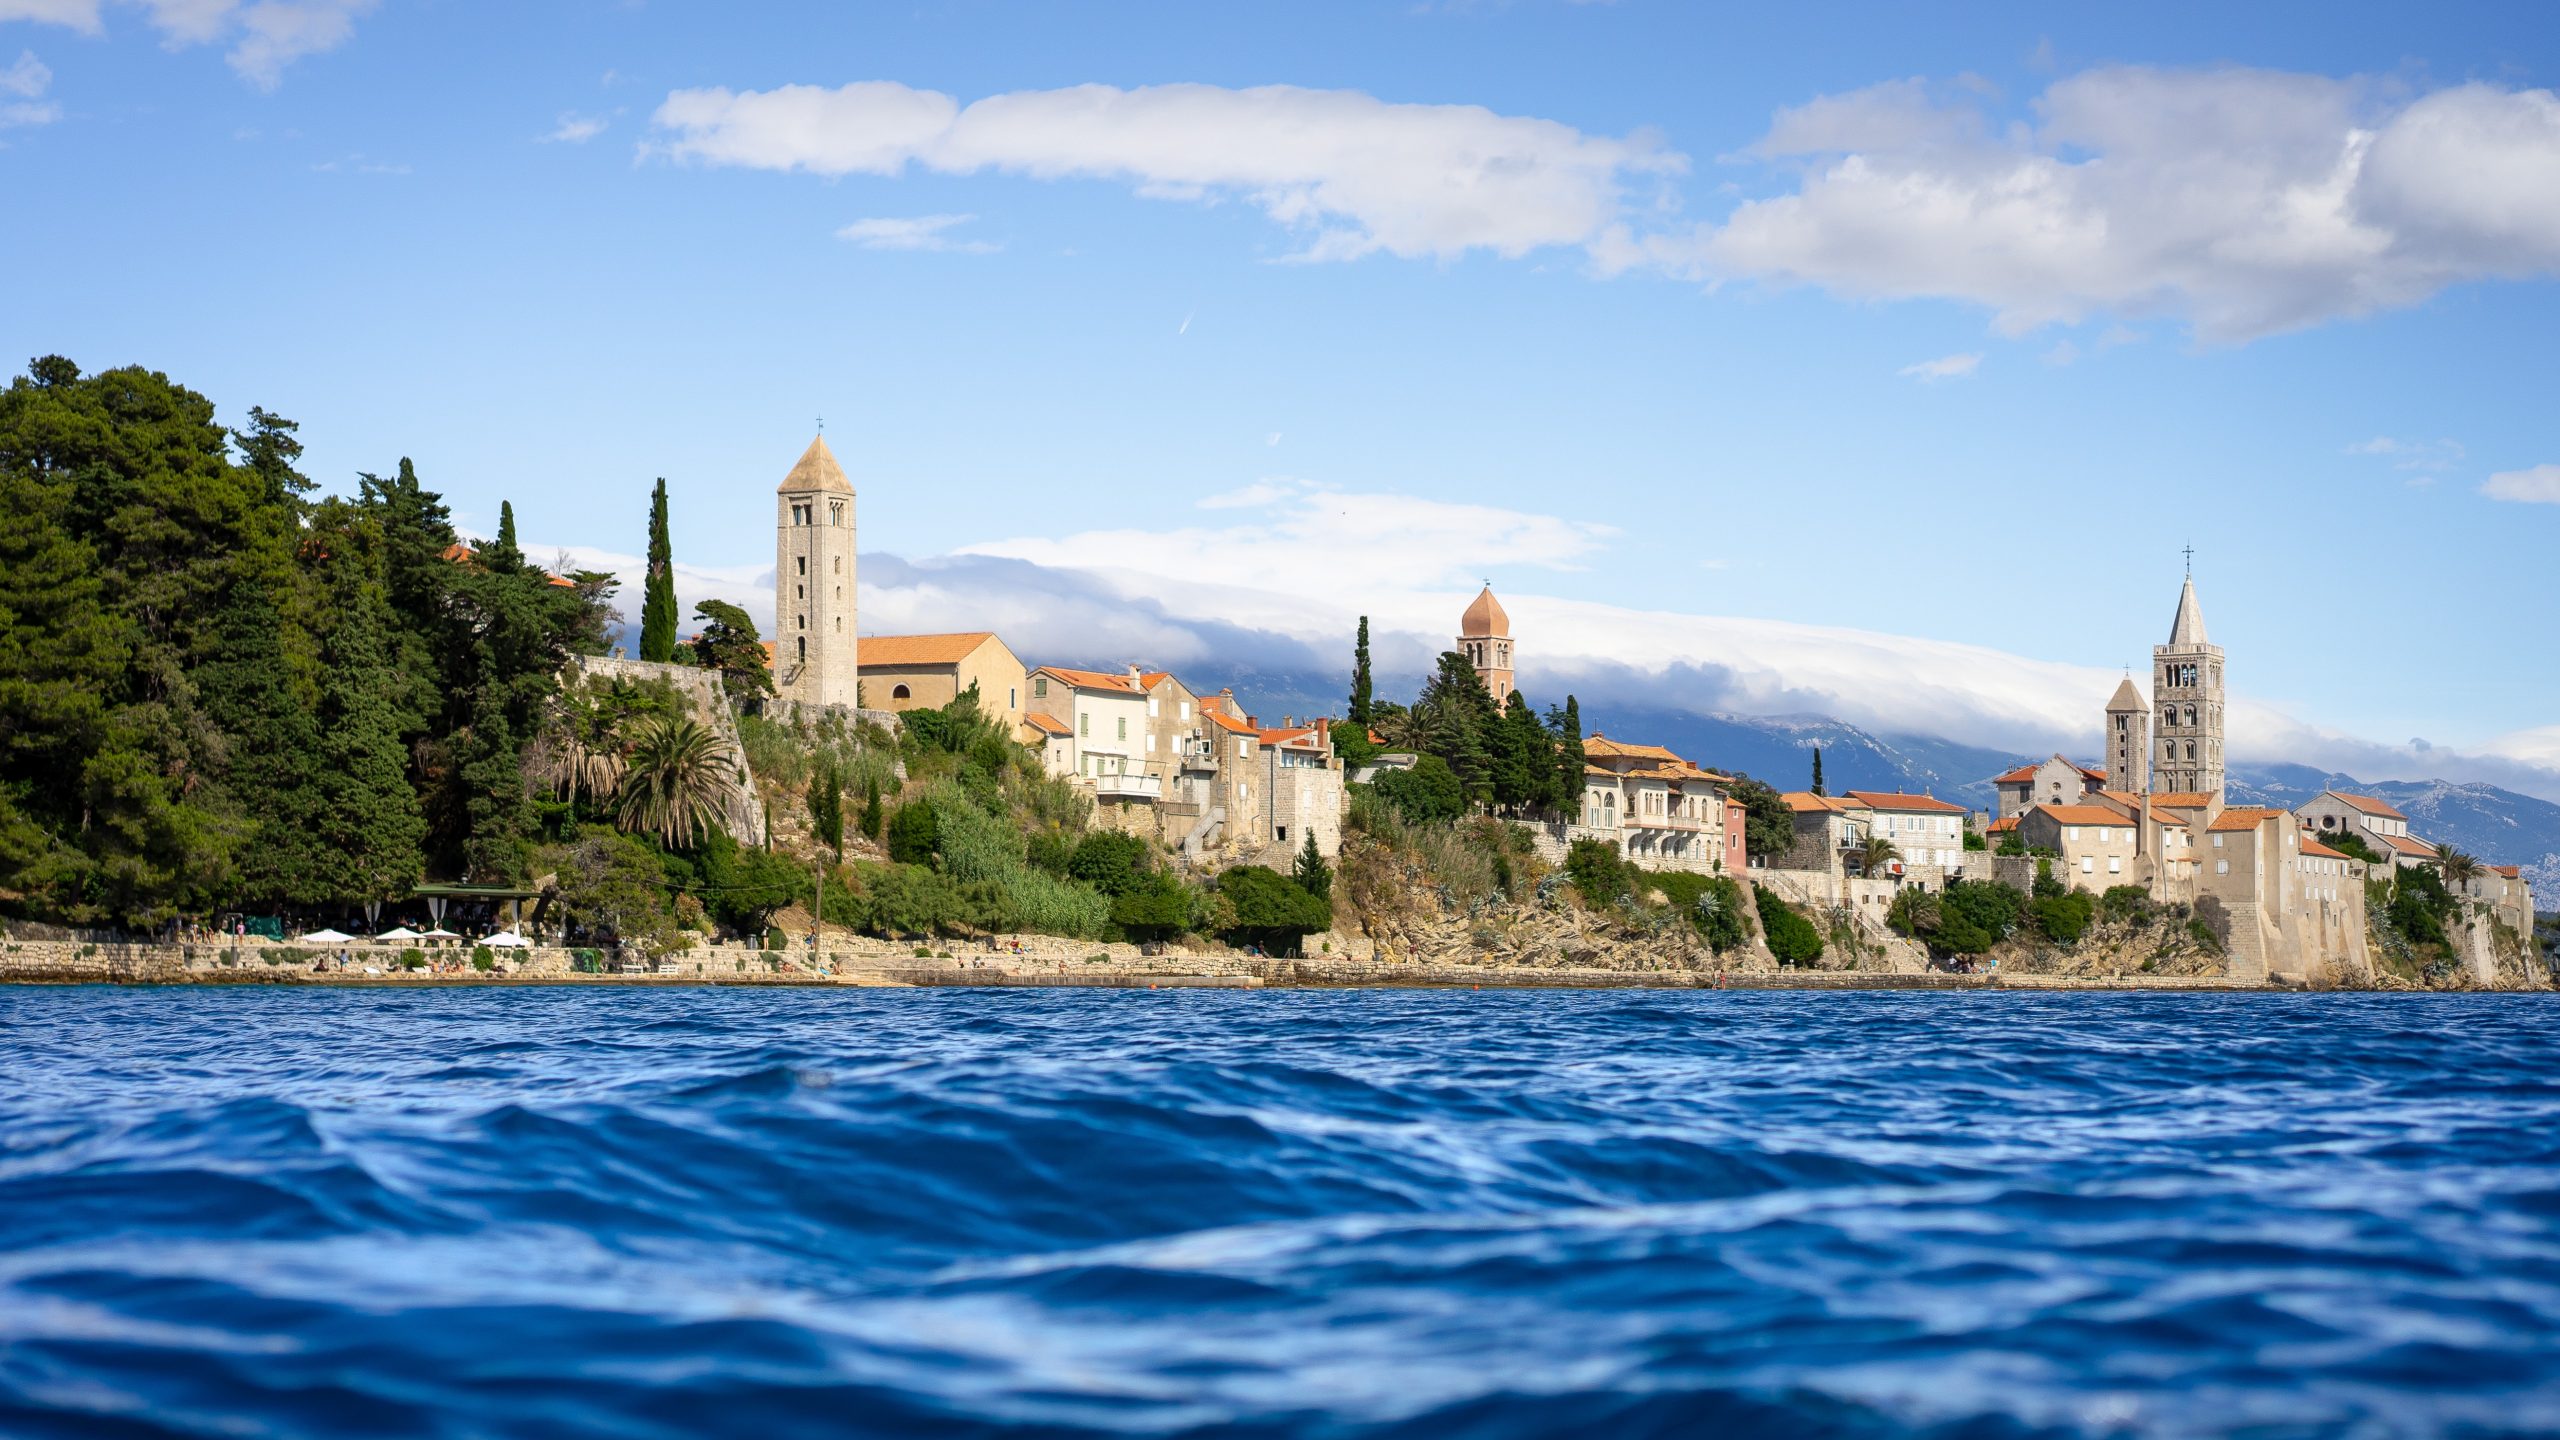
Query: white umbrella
x=507, y=938
x=329, y=937
x=399, y=932
x=440, y=933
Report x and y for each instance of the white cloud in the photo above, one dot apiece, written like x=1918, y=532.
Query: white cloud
x=914, y=232
x=2421, y=460
x=1352, y=173
x=27, y=78
x=575, y=129
x=1253, y=496
x=2537, y=486
x=1945, y=367
x=266, y=35
x=2245, y=202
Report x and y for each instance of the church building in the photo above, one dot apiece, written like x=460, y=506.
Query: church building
x=1484, y=637
x=813, y=584
x=2186, y=694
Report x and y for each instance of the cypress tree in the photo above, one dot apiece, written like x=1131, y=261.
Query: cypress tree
x=272, y=747
x=501, y=554
x=1569, y=761
x=1817, y=769
x=658, y=600
x=370, y=825
x=1363, y=695
x=873, y=817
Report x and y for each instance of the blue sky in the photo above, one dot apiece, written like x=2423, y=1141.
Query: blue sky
x=1880, y=359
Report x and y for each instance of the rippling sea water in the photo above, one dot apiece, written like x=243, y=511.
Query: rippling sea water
x=673, y=1212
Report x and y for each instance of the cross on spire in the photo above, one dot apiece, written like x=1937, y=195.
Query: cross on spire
x=2190, y=552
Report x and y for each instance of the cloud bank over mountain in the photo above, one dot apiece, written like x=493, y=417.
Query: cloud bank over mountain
x=1277, y=586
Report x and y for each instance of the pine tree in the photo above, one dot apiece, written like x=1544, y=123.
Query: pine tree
x=658, y=597
x=1363, y=694
x=1312, y=874
x=272, y=746
x=826, y=808
x=1459, y=724
x=1817, y=769
x=369, y=822
x=496, y=805
x=873, y=816
x=1567, y=724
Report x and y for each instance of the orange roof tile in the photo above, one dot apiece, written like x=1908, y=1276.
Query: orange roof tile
x=1226, y=722
x=2004, y=824
x=2085, y=815
x=2369, y=805
x=2243, y=817
x=2317, y=850
x=1596, y=746
x=1890, y=800
x=945, y=649
x=2182, y=799
x=1091, y=679
x=2019, y=776
x=1805, y=802
x=1046, y=724
x=2409, y=845
x=1293, y=735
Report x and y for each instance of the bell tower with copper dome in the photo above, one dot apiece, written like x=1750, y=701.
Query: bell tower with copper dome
x=1484, y=637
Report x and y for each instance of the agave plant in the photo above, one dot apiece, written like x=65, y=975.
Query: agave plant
x=678, y=779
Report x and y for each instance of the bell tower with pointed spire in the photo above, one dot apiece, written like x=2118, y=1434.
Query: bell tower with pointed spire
x=2186, y=696
x=2128, y=740
x=1484, y=637
x=814, y=660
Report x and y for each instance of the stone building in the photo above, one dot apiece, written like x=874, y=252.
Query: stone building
x=1928, y=831
x=1104, y=715
x=2050, y=782
x=2186, y=695
x=2096, y=847
x=1484, y=637
x=1831, y=834
x=815, y=640
x=2294, y=904
x=2128, y=740
x=2382, y=828
x=1658, y=809
x=926, y=672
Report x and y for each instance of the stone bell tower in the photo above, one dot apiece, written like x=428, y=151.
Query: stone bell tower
x=1484, y=637
x=2128, y=740
x=813, y=583
x=2186, y=694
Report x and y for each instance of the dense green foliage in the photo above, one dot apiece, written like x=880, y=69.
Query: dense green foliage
x=1769, y=827
x=1713, y=904
x=1600, y=875
x=729, y=644
x=1792, y=938
x=1967, y=918
x=1428, y=793
x=1268, y=909
x=217, y=692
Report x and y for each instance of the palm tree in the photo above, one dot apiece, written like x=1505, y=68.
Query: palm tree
x=2458, y=869
x=1876, y=854
x=678, y=781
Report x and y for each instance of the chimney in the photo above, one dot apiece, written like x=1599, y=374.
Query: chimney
x=1288, y=722
x=1136, y=682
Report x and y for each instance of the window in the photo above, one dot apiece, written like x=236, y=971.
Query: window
x=1151, y=707
x=2070, y=832
x=799, y=592
x=1280, y=832
x=803, y=642
x=1040, y=686
x=2088, y=863
x=1182, y=710
x=803, y=563
x=1012, y=698
x=2221, y=867
x=1151, y=742
x=2217, y=842
x=839, y=624
x=1084, y=724
x=900, y=692
x=803, y=621
x=839, y=594
x=839, y=564
x=2115, y=864
x=1124, y=727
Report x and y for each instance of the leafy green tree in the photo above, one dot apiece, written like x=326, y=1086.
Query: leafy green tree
x=1769, y=827
x=1455, y=720
x=1154, y=908
x=1312, y=874
x=729, y=644
x=910, y=900
x=744, y=887
x=1792, y=938
x=272, y=759
x=658, y=596
x=1110, y=861
x=915, y=833
x=1270, y=909
x=2063, y=918
x=1428, y=793
x=1524, y=768
x=678, y=782
x=613, y=884
x=1600, y=874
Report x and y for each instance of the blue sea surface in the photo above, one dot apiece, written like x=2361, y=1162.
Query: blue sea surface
x=625, y=1212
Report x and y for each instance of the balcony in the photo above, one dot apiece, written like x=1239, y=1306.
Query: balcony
x=1685, y=823
x=1133, y=785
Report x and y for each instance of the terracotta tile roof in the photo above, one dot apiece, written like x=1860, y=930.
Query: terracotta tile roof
x=1890, y=800
x=2089, y=774
x=2317, y=850
x=948, y=649
x=2512, y=872
x=1597, y=746
x=1294, y=735
x=2004, y=825
x=2019, y=776
x=1805, y=802
x=1046, y=724
x=2409, y=845
x=1153, y=678
x=2182, y=799
x=2242, y=817
x=1117, y=682
x=1226, y=722
x=2369, y=805
x=2085, y=815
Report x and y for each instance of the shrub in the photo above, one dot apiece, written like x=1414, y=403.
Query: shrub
x=774, y=940
x=1712, y=903
x=413, y=960
x=915, y=834
x=2046, y=887
x=1973, y=916
x=1109, y=861
x=483, y=959
x=2125, y=903
x=1269, y=909
x=1157, y=907
x=1599, y=873
x=2211, y=926
x=1792, y=937
x=2063, y=918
